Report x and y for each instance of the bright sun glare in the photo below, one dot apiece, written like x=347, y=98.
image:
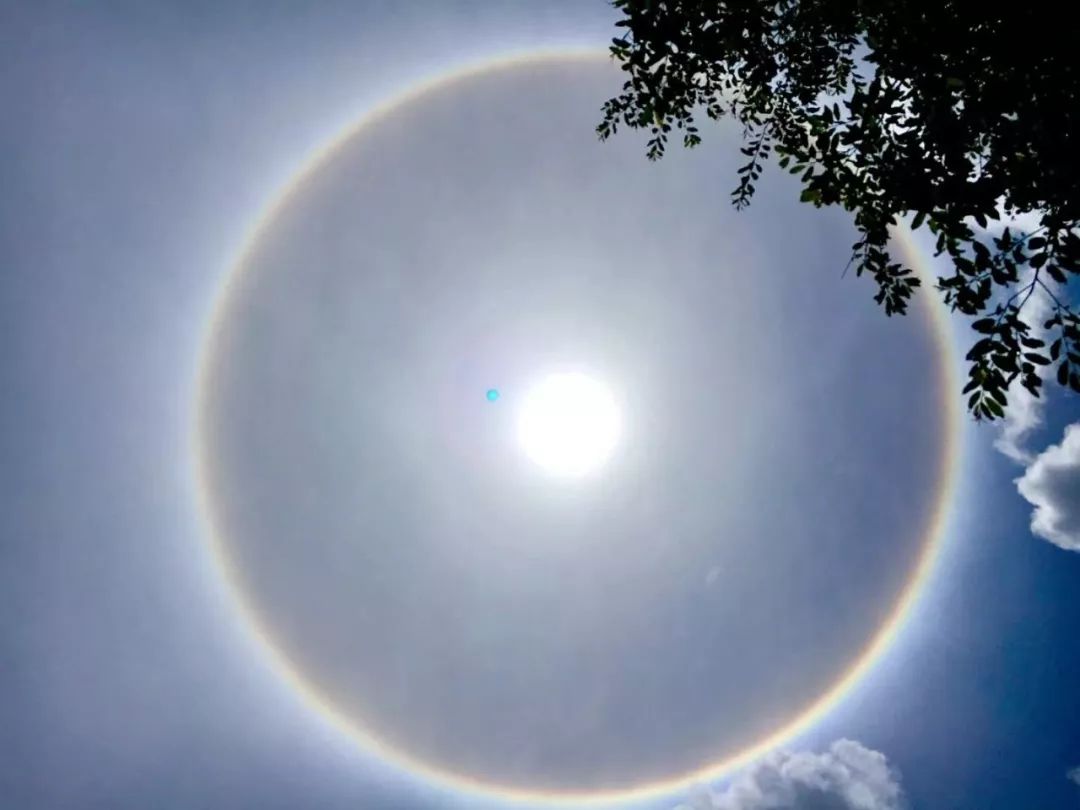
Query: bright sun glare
x=569, y=424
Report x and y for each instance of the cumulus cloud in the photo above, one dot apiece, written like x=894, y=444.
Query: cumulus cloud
x=1051, y=483
x=1073, y=775
x=848, y=776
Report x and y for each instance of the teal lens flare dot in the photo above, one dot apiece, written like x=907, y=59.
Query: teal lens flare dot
x=492, y=394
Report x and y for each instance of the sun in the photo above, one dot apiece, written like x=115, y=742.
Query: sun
x=569, y=424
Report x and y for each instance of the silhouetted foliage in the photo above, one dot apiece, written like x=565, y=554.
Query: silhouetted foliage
x=956, y=116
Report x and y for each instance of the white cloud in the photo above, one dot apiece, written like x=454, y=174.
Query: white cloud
x=848, y=776
x=1073, y=775
x=1051, y=483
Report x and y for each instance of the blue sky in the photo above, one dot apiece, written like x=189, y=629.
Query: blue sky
x=140, y=144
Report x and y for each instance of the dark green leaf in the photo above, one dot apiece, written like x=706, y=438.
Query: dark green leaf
x=948, y=131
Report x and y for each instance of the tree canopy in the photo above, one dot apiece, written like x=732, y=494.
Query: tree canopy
x=956, y=116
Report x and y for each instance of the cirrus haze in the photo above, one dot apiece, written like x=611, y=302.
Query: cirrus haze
x=696, y=554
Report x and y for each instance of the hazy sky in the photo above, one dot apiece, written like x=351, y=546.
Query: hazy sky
x=758, y=521
x=553, y=633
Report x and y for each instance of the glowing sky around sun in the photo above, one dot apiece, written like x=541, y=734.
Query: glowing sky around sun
x=442, y=589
